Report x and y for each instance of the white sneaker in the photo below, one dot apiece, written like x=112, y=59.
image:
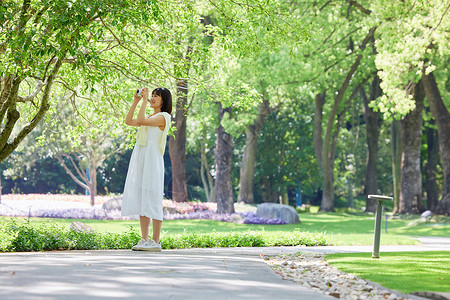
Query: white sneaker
x=139, y=245
x=151, y=246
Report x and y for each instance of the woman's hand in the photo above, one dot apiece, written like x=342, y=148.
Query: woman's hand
x=136, y=98
x=145, y=94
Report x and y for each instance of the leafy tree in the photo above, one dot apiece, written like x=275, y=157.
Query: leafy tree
x=36, y=40
x=335, y=64
x=86, y=146
x=414, y=46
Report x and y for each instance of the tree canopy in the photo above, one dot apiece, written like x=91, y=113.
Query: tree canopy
x=296, y=84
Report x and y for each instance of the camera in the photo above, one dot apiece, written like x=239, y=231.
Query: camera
x=139, y=93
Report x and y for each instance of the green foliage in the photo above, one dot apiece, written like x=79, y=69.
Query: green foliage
x=250, y=28
x=286, y=152
x=17, y=237
x=414, y=39
x=242, y=239
x=211, y=240
x=227, y=51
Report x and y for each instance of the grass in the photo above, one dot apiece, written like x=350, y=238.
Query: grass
x=406, y=272
x=339, y=228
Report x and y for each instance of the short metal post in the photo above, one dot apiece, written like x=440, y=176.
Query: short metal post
x=376, y=242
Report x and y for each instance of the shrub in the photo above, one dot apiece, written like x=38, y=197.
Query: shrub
x=15, y=237
x=212, y=240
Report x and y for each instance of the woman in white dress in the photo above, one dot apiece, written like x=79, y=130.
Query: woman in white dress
x=144, y=185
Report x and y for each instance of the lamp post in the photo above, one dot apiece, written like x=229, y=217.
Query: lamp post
x=376, y=241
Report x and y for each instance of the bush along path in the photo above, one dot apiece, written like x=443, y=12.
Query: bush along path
x=22, y=236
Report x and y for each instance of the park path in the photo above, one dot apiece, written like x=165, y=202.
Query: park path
x=219, y=273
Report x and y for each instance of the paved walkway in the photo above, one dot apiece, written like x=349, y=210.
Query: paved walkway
x=225, y=273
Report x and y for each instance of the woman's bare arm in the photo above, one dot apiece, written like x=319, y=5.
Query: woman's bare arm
x=157, y=121
x=129, y=118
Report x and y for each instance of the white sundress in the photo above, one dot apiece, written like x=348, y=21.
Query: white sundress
x=144, y=185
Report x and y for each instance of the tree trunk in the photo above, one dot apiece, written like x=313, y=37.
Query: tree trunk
x=442, y=117
x=83, y=182
x=177, y=145
x=93, y=183
x=207, y=180
x=430, y=167
x=411, y=135
x=267, y=192
x=284, y=197
x=330, y=134
x=397, y=149
x=224, y=151
x=320, y=101
x=248, y=163
x=372, y=120
x=328, y=186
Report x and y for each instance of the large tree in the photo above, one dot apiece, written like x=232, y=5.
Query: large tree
x=414, y=44
x=36, y=39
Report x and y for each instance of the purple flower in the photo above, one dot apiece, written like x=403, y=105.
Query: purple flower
x=249, y=217
x=252, y=218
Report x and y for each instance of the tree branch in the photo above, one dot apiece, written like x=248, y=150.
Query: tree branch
x=79, y=171
x=360, y=7
x=9, y=147
x=137, y=54
x=79, y=182
x=33, y=95
x=337, y=101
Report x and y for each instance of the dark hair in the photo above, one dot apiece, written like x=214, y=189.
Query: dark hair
x=166, y=97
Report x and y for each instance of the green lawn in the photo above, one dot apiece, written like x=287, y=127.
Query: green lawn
x=406, y=272
x=340, y=228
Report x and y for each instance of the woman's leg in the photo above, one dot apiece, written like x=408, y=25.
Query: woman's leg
x=145, y=224
x=156, y=229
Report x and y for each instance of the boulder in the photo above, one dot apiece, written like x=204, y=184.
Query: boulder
x=426, y=214
x=278, y=211
x=80, y=227
x=114, y=203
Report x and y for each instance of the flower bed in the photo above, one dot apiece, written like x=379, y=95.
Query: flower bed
x=57, y=197
x=77, y=207
x=246, y=217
